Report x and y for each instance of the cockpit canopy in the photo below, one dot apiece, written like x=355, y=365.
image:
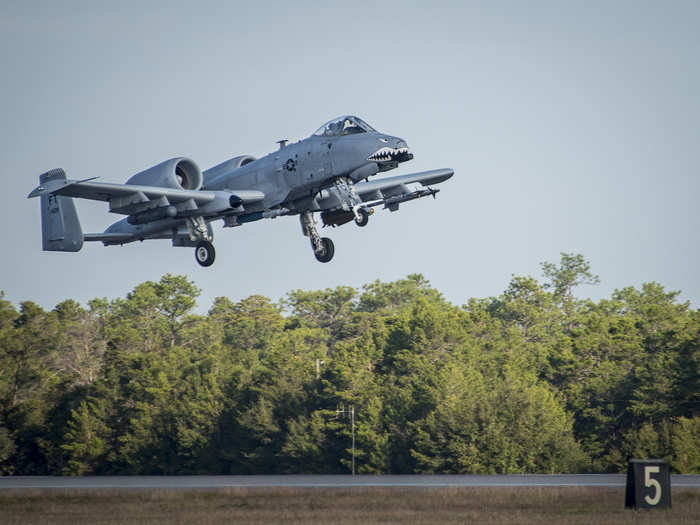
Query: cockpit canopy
x=347, y=125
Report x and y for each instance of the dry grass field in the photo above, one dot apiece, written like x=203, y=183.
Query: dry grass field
x=338, y=506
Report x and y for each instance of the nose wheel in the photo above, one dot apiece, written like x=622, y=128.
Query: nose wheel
x=361, y=217
x=204, y=253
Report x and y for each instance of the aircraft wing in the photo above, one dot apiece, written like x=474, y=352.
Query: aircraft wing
x=392, y=191
x=106, y=191
x=391, y=184
x=131, y=198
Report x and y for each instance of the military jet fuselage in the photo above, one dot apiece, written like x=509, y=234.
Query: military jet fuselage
x=297, y=172
x=174, y=200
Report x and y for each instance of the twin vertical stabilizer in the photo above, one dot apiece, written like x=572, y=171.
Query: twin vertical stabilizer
x=60, y=227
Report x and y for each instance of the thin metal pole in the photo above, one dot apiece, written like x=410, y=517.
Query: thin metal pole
x=352, y=417
x=345, y=411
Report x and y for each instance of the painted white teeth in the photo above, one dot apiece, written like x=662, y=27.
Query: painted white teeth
x=387, y=153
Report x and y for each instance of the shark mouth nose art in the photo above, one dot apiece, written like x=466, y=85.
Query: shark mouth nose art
x=390, y=154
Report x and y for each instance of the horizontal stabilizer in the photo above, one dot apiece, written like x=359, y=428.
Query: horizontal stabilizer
x=107, y=237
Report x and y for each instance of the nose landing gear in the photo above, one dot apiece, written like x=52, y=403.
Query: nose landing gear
x=361, y=217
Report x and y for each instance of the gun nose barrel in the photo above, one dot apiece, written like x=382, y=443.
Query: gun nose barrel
x=403, y=152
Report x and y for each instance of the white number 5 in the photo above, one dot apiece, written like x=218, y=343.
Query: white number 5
x=651, y=482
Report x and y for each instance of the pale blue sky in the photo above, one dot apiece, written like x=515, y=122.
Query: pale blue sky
x=571, y=126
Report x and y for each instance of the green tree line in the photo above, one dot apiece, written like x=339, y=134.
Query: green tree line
x=534, y=380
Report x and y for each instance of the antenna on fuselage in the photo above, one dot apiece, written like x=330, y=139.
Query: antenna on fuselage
x=283, y=143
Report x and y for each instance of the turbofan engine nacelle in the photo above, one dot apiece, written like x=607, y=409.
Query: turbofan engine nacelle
x=227, y=167
x=179, y=173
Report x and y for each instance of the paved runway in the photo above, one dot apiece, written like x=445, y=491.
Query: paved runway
x=343, y=481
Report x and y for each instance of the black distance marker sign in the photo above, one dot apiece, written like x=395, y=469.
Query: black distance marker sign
x=648, y=484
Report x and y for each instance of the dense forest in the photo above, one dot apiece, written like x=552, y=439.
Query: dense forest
x=534, y=380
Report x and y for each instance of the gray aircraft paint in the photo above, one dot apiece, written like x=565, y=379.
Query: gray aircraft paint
x=60, y=225
x=175, y=200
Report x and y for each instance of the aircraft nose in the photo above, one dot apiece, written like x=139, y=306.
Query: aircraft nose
x=401, y=143
x=401, y=146
x=394, y=149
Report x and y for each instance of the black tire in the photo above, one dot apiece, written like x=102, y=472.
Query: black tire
x=364, y=217
x=204, y=253
x=328, y=251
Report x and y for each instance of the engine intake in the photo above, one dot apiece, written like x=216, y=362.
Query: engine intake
x=179, y=173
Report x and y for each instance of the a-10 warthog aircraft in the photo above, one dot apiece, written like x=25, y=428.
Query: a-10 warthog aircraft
x=327, y=172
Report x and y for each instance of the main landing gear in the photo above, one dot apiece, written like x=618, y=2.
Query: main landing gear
x=325, y=254
x=200, y=233
x=205, y=253
x=322, y=246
